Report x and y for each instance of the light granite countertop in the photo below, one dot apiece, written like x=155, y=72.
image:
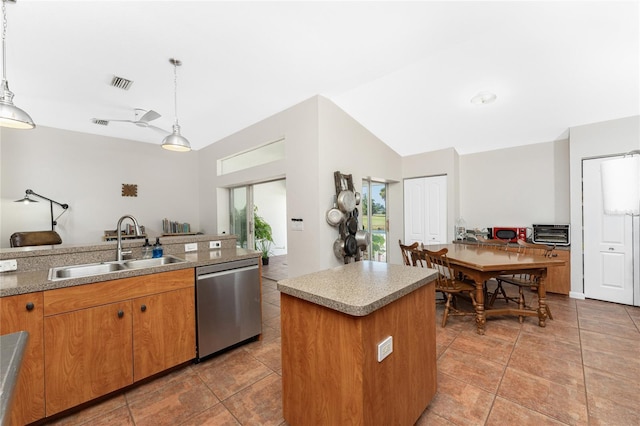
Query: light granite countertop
x=12, y=283
x=358, y=288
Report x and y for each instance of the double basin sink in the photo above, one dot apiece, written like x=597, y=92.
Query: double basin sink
x=89, y=269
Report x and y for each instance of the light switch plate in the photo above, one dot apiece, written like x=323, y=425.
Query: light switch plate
x=191, y=247
x=8, y=265
x=215, y=244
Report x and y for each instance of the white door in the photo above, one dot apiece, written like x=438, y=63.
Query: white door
x=425, y=210
x=608, y=243
x=414, y=210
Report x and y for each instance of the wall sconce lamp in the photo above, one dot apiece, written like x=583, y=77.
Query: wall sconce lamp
x=27, y=200
x=621, y=184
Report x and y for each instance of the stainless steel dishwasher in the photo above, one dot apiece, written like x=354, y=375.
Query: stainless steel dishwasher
x=227, y=304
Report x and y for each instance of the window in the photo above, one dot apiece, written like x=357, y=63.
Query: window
x=263, y=154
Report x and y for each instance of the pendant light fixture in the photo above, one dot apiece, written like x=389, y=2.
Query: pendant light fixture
x=10, y=115
x=175, y=141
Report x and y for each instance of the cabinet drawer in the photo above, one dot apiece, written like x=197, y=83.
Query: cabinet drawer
x=96, y=294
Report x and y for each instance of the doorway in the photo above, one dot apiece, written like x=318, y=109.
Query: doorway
x=265, y=203
x=374, y=219
x=608, y=243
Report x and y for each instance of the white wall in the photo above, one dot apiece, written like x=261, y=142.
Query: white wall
x=87, y=172
x=516, y=187
x=319, y=139
x=299, y=127
x=602, y=139
x=347, y=147
x=436, y=163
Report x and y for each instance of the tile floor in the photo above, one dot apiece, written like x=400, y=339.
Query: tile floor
x=582, y=369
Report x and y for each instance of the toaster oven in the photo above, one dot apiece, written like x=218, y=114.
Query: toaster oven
x=558, y=235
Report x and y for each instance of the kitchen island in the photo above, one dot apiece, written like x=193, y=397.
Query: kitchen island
x=337, y=364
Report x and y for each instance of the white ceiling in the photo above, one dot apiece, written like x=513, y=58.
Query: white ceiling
x=405, y=70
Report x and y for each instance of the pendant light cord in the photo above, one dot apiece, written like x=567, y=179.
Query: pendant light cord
x=4, y=36
x=175, y=88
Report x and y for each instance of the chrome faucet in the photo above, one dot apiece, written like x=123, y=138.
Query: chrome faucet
x=119, y=252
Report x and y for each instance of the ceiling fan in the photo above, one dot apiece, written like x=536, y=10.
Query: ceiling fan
x=141, y=119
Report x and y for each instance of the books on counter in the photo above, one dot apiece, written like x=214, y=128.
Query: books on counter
x=175, y=227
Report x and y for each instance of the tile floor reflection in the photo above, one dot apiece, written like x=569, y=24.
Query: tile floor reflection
x=583, y=368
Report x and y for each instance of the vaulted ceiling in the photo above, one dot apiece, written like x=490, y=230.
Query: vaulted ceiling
x=405, y=70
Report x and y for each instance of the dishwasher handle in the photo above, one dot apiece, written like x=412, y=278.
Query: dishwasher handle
x=227, y=272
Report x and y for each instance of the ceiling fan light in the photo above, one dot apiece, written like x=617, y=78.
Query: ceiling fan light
x=10, y=115
x=176, y=142
x=483, y=98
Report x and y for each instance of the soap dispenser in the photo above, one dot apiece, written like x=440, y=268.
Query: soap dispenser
x=158, y=251
x=147, y=250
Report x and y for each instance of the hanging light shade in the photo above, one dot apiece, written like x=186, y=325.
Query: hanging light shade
x=175, y=141
x=10, y=115
x=621, y=185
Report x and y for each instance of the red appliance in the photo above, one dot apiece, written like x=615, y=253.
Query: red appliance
x=509, y=234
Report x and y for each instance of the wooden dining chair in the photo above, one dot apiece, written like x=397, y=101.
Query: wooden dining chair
x=524, y=281
x=447, y=283
x=499, y=292
x=407, y=253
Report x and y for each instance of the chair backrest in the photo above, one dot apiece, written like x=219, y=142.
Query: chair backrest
x=35, y=238
x=535, y=249
x=493, y=244
x=407, y=253
x=439, y=261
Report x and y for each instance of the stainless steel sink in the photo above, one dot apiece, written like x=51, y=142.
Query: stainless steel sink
x=150, y=263
x=86, y=270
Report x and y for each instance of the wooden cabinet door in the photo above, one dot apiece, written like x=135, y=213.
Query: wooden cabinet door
x=559, y=277
x=88, y=354
x=25, y=312
x=163, y=331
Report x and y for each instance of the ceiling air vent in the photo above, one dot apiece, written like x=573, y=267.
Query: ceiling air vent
x=121, y=83
x=100, y=122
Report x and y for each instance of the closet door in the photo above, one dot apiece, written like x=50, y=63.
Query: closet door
x=425, y=210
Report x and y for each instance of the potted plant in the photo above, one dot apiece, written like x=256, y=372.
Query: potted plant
x=263, y=236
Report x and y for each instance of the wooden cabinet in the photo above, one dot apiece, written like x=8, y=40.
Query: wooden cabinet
x=24, y=313
x=559, y=277
x=330, y=369
x=88, y=354
x=102, y=337
x=160, y=340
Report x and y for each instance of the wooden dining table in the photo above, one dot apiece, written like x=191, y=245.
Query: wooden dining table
x=481, y=264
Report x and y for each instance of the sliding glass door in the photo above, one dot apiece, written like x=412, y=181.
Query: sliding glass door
x=241, y=222
x=374, y=219
x=260, y=210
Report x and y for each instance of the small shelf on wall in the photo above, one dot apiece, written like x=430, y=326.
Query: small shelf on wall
x=177, y=234
x=124, y=237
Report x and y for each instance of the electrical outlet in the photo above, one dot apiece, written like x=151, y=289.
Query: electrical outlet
x=215, y=244
x=191, y=247
x=385, y=348
x=8, y=265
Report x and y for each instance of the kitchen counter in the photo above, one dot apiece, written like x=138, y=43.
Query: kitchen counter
x=337, y=364
x=12, y=347
x=358, y=288
x=12, y=283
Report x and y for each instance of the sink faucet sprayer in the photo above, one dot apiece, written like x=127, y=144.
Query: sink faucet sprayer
x=138, y=232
